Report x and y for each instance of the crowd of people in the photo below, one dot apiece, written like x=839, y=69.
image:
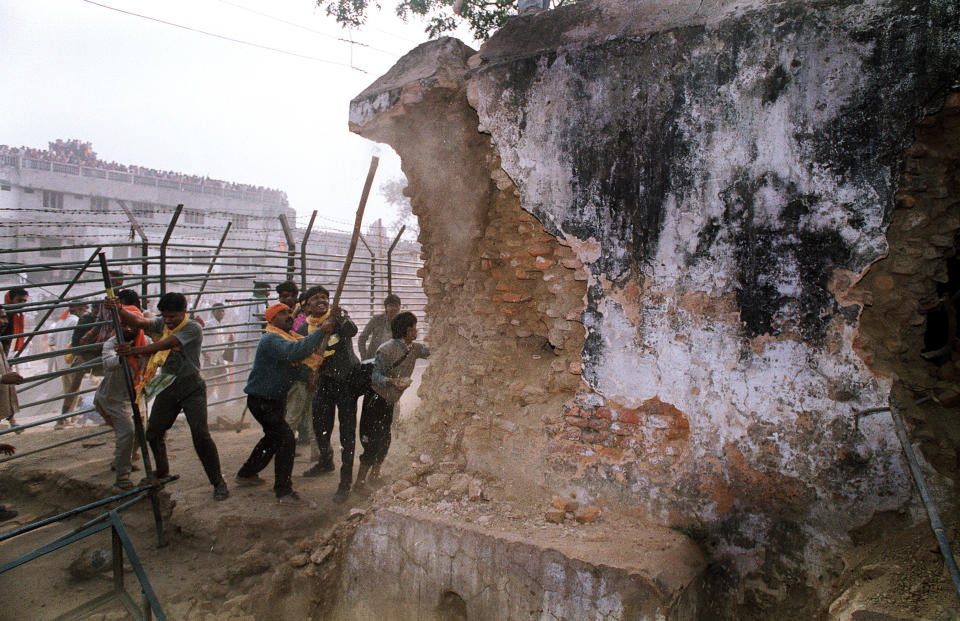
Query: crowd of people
x=77, y=152
x=305, y=375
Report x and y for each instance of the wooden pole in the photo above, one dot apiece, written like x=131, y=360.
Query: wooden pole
x=374, y=162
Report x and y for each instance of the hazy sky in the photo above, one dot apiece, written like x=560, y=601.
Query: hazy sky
x=156, y=95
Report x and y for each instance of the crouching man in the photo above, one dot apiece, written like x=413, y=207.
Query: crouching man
x=173, y=375
x=391, y=376
x=276, y=365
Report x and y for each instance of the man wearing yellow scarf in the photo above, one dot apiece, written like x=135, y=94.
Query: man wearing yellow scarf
x=334, y=393
x=276, y=365
x=174, y=370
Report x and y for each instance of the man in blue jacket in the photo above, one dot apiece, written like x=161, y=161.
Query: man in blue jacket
x=276, y=364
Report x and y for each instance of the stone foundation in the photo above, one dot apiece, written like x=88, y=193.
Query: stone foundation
x=408, y=565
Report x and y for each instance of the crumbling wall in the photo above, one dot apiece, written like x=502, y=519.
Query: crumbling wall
x=504, y=296
x=905, y=329
x=725, y=173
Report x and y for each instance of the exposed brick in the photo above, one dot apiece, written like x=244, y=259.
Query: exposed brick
x=629, y=415
x=905, y=201
x=539, y=250
x=502, y=286
x=604, y=413
x=509, y=312
x=590, y=436
x=598, y=423
x=623, y=429
x=512, y=297
x=576, y=421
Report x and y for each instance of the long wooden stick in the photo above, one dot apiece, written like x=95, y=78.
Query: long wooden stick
x=374, y=162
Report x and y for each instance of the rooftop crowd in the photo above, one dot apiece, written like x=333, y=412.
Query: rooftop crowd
x=77, y=152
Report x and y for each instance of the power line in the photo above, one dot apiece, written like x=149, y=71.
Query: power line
x=224, y=37
x=307, y=28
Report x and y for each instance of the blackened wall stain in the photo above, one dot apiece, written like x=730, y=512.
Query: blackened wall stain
x=623, y=174
x=773, y=250
x=775, y=83
x=649, y=106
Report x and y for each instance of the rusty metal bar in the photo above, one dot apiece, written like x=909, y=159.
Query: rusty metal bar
x=163, y=248
x=921, y=482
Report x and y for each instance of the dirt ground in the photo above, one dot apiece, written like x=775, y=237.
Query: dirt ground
x=215, y=548
x=249, y=558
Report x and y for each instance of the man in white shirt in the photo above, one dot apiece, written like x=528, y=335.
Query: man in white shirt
x=61, y=340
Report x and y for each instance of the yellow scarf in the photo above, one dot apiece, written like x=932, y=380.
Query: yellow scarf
x=157, y=359
x=313, y=323
x=313, y=360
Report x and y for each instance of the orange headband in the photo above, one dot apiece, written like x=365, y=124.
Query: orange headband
x=273, y=310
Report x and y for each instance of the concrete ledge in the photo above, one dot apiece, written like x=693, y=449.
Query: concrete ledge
x=409, y=564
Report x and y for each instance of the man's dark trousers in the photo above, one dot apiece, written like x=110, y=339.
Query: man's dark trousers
x=190, y=395
x=277, y=443
x=332, y=394
x=375, y=422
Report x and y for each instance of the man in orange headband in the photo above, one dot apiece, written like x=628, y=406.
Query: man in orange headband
x=113, y=401
x=276, y=365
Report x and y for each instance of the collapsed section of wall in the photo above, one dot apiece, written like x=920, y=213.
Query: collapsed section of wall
x=504, y=296
x=706, y=183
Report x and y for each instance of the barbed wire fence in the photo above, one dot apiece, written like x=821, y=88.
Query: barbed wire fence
x=239, y=273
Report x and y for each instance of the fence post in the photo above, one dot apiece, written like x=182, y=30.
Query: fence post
x=144, y=248
x=373, y=276
x=303, y=252
x=396, y=240
x=213, y=261
x=163, y=248
x=291, y=253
